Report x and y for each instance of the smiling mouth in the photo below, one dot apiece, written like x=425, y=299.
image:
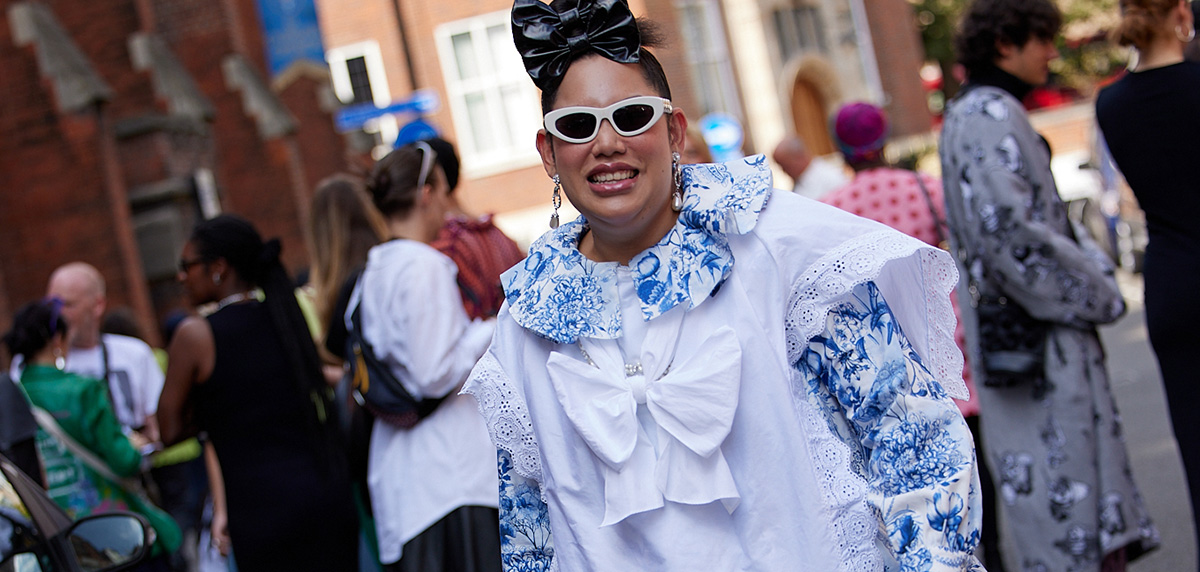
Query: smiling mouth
x=612, y=177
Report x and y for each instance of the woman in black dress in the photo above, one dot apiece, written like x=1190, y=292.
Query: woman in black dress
x=1151, y=121
x=249, y=377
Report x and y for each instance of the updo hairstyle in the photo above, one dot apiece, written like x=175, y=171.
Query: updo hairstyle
x=393, y=181
x=34, y=325
x=1141, y=21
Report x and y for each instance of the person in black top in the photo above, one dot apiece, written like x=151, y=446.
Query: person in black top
x=1150, y=119
x=249, y=376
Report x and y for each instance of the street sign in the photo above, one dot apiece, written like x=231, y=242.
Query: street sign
x=354, y=117
x=724, y=136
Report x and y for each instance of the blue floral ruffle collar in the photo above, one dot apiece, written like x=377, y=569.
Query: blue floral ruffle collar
x=561, y=295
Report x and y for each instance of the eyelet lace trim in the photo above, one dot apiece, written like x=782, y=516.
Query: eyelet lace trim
x=843, y=491
x=507, y=417
x=860, y=260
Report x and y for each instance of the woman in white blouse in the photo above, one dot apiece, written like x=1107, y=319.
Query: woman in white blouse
x=700, y=373
x=433, y=486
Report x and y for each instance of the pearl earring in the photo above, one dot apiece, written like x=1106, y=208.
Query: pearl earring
x=217, y=279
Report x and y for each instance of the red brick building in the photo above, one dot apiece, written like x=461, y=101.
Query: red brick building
x=124, y=122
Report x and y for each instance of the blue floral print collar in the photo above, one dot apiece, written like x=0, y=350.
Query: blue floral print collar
x=561, y=295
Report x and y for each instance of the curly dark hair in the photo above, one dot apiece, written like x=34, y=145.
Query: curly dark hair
x=989, y=23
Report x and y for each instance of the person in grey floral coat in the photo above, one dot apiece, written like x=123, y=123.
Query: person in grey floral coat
x=1033, y=290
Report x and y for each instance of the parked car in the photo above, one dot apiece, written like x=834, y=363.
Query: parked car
x=37, y=536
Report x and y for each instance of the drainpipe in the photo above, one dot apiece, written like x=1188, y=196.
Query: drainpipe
x=866, y=50
x=405, y=47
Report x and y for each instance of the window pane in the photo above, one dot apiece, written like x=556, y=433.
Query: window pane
x=360, y=80
x=524, y=118
x=481, y=125
x=503, y=53
x=464, y=54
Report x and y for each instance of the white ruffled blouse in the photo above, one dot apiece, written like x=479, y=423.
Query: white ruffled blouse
x=768, y=385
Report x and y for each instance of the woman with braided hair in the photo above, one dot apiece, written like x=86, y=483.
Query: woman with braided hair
x=701, y=373
x=248, y=376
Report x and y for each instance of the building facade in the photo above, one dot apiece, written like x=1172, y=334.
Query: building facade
x=126, y=121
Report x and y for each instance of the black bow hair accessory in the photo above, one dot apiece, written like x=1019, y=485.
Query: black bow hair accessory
x=549, y=37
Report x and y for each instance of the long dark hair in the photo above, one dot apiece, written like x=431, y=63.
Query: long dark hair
x=239, y=243
x=34, y=325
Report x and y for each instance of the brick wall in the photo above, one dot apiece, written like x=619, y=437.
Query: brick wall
x=899, y=55
x=55, y=204
x=54, y=207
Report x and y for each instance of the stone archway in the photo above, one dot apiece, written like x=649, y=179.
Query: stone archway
x=812, y=92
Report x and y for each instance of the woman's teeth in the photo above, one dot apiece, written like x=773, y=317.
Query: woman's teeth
x=610, y=177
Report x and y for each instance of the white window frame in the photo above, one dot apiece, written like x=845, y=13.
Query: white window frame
x=711, y=52
x=523, y=153
x=387, y=127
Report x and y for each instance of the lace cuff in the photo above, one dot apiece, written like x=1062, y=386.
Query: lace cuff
x=506, y=415
x=863, y=259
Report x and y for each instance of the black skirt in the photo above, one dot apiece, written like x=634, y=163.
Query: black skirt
x=466, y=540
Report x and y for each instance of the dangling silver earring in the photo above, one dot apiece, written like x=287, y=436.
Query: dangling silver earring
x=217, y=279
x=60, y=361
x=1191, y=35
x=677, y=178
x=556, y=200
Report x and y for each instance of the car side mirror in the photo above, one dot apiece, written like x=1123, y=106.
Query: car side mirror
x=107, y=542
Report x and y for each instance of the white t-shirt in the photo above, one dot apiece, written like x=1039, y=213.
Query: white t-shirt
x=135, y=379
x=822, y=176
x=417, y=476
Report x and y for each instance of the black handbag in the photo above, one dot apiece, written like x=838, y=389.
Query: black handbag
x=376, y=387
x=1012, y=343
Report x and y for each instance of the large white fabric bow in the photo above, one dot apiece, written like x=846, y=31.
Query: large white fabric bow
x=693, y=405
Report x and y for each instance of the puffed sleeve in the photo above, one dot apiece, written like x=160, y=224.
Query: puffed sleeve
x=918, y=455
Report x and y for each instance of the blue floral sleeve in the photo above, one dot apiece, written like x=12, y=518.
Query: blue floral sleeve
x=912, y=444
x=525, y=542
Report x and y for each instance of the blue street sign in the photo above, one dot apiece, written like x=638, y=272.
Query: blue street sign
x=724, y=135
x=292, y=33
x=354, y=117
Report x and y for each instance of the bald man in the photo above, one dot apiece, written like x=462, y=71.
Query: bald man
x=813, y=176
x=128, y=364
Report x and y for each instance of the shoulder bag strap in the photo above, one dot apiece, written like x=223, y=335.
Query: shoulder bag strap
x=49, y=424
x=939, y=223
